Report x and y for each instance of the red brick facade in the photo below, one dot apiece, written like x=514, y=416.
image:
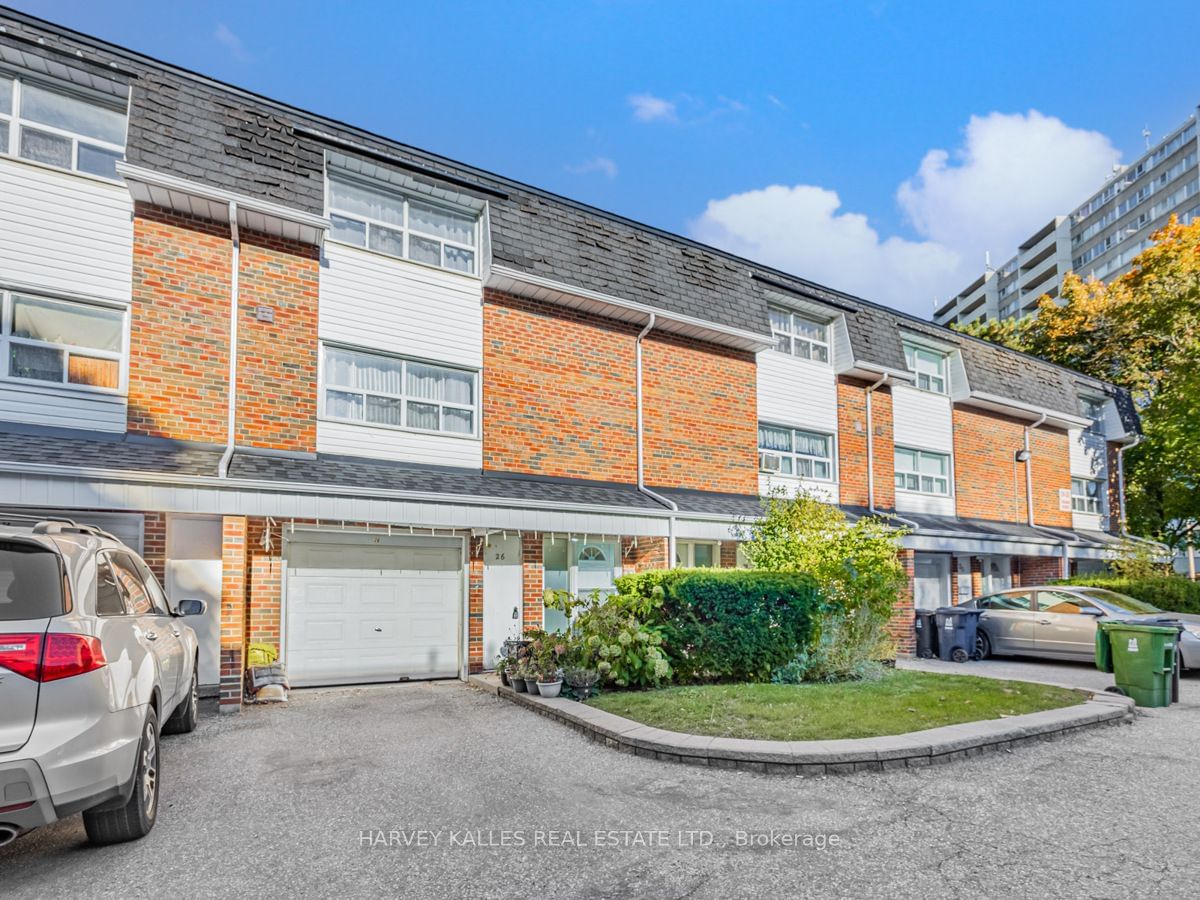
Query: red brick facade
x=852, y=444
x=277, y=360
x=1051, y=477
x=179, y=327
x=900, y=627
x=233, y=610
x=642, y=554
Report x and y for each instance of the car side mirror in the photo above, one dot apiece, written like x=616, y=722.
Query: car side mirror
x=192, y=607
x=1091, y=611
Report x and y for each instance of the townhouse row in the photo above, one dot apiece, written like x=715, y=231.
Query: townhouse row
x=371, y=403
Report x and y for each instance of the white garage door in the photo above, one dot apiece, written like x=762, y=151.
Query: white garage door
x=368, y=609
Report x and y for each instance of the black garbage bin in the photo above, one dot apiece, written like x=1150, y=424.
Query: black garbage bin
x=927, y=636
x=956, y=627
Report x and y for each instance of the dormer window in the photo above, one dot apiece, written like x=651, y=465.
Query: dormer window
x=800, y=335
x=1092, y=408
x=406, y=227
x=929, y=367
x=58, y=127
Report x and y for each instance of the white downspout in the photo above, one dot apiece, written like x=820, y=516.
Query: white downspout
x=641, y=466
x=223, y=466
x=1029, y=468
x=1123, y=522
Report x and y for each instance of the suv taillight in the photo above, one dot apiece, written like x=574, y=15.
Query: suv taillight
x=64, y=655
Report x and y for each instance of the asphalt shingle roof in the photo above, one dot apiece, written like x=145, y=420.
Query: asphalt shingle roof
x=199, y=129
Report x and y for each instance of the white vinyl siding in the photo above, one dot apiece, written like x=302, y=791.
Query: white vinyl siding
x=922, y=419
x=794, y=390
x=374, y=303
x=1088, y=457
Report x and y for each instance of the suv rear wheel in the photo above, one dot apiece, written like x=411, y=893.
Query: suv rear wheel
x=135, y=819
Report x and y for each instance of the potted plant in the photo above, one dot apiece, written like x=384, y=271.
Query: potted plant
x=502, y=669
x=549, y=679
x=582, y=681
x=516, y=677
x=530, y=676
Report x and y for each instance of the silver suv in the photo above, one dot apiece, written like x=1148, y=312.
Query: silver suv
x=92, y=659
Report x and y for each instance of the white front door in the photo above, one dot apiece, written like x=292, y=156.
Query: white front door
x=193, y=572
x=596, y=566
x=931, y=580
x=371, y=608
x=997, y=573
x=501, y=594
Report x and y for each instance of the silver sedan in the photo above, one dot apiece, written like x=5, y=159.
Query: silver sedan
x=1059, y=622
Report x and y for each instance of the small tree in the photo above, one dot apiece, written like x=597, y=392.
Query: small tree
x=856, y=564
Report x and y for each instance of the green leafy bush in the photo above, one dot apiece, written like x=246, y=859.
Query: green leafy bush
x=727, y=625
x=1170, y=592
x=610, y=634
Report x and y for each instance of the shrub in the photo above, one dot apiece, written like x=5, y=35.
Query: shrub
x=727, y=625
x=848, y=647
x=610, y=634
x=1170, y=592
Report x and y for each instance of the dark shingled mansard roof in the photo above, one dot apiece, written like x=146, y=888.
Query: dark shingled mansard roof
x=199, y=129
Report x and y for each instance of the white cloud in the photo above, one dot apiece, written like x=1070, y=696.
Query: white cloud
x=231, y=42
x=648, y=108
x=1009, y=177
x=601, y=164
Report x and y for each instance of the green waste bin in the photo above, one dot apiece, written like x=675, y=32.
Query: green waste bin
x=1103, y=651
x=1142, y=658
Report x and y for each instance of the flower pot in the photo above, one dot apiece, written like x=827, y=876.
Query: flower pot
x=517, y=684
x=549, y=688
x=531, y=685
x=582, y=693
x=504, y=678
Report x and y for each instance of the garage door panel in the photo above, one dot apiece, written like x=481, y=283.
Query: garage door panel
x=349, y=624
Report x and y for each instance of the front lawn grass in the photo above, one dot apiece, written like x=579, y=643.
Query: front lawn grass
x=900, y=702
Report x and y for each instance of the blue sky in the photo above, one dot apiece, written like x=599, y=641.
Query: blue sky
x=802, y=134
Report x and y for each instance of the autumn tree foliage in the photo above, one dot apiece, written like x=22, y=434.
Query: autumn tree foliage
x=1142, y=331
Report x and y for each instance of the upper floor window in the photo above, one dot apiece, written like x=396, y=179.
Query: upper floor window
x=929, y=366
x=800, y=335
x=398, y=393
x=53, y=341
x=790, y=451
x=1092, y=409
x=922, y=471
x=1085, y=495
x=60, y=128
x=391, y=223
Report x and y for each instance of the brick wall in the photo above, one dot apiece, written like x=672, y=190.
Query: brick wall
x=532, y=580
x=900, y=626
x=1051, y=474
x=558, y=392
x=277, y=361
x=642, y=554
x=852, y=444
x=700, y=416
x=179, y=327
x=154, y=544
x=1036, y=570
x=264, y=584
x=729, y=558
x=989, y=483
x=475, y=604
x=233, y=610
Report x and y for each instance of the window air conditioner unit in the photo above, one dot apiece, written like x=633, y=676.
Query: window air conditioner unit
x=769, y=462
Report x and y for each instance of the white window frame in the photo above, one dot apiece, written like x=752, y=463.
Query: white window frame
x=1081, y=501
x=795, y=338
x=403, y=199
x=796, y=456
x=404, y=399
x=15, y=123
x=1093, y=409
x=926, y=377
x=686, y=551
x=949, y=476
x=7, y=341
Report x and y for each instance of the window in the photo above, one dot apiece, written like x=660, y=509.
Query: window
x=696, y=554
x=1085, y=495
x=929, y=366
x=376, y=218
x=1062, y=602
x=790, y=451
x=398, y=393
x=109, y=600
x=60, y=128
x=62, y=341
x=799, y=335
x=922, y=471
x=157, y=595
x=1016, y=601
x=1093, y=409
x=31, y=584
x=137, y=599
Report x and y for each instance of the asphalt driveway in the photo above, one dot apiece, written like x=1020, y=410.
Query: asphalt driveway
x=432, y=790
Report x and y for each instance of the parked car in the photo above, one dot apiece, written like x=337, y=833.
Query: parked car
x=1059, y=622
x=92, y=659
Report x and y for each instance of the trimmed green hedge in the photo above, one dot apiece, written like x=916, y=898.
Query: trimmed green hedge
x=1170, y=592
x=728, y=624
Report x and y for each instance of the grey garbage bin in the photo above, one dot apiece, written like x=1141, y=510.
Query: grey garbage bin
x=956, y=627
